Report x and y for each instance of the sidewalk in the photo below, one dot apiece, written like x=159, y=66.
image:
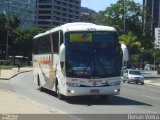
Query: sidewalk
x=8, y=74
x=151, y=78
x=11, y=103
x=153, y=82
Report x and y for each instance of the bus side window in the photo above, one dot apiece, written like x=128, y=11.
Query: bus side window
x=61, y=38
x=43, y=45
x=35, y=46
x=55, y=39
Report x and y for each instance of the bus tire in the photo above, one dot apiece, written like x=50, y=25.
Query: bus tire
x=59, y=95
x=38, y=80
x=39, y=84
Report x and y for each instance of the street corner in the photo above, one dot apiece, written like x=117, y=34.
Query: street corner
x=18, y=105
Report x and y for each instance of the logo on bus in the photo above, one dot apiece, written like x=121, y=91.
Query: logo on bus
x=45, y=60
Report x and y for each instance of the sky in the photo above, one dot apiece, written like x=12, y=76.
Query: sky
x=99, y=5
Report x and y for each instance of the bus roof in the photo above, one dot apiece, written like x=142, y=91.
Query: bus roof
x=78, y=26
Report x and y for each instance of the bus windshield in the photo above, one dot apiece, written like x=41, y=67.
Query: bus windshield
x=92, y=54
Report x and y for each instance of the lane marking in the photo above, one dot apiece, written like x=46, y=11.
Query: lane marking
x=155, y=98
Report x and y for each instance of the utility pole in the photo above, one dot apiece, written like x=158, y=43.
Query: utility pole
x=124, y=20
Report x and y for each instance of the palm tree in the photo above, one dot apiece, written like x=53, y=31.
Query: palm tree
x=130, y=40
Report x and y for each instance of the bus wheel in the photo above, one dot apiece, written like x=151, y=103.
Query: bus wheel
x=59, y=95
x=39, y=84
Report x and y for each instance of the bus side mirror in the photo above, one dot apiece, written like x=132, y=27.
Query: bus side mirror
x=62, y=53
x=125, y=52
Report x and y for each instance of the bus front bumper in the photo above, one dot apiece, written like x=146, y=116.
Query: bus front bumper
x=91, y=91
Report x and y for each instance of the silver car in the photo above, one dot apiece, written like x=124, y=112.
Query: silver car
x=132, y=75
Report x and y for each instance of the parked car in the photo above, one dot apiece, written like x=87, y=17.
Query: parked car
x=147, y=67
x=132, y=75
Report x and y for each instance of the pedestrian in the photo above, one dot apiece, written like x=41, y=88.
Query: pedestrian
x=18, y=65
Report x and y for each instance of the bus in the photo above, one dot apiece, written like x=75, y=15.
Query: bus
x=78, y=59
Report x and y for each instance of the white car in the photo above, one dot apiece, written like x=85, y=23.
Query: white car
x=132, y=75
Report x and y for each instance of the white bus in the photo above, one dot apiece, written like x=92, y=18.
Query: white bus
x=78, y=59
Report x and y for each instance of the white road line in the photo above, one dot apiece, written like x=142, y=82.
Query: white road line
x=155, y=98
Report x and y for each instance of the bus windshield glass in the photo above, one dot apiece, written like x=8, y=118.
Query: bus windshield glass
x=92, y=54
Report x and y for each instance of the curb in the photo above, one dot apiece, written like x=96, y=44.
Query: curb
x=15, y=75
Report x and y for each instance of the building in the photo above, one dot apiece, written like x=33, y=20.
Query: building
x=90, y=17
x=157, y=38
x=152, y=15
x=86, y=17
x=25, y=9
x=51, y=13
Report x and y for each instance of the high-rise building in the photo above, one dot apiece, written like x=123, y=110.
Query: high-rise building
x=51, y=13
x=157, y=38
x=25, y=9
x=152, y=15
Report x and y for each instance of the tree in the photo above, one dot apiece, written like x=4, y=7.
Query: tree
x=2, y=22
x=133, y=46
x=131, y=41
x=24, y=40
x=3, y=29
x=14, y=21
x=115, y=14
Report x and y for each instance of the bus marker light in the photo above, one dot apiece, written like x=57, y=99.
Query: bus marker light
x=115, y=90
x=72, y=91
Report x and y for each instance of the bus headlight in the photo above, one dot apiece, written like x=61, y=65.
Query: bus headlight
x=115, y=83
x=72, y=84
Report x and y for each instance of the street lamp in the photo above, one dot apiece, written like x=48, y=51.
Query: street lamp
x=124, y=20
x=141, y=62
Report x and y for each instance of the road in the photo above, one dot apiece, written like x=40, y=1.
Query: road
x=133, y=99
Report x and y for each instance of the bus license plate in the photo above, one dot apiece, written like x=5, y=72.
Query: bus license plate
x=94, y=91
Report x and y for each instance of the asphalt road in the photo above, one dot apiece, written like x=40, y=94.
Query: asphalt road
x=133, y=99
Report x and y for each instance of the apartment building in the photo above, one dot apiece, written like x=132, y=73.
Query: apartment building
x=157, y=38
x=52, y=13
x=152, y=15
x=25, y=9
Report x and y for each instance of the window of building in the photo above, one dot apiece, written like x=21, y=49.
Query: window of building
x=44, y=12
x=44, y=6
x=44, y=17
x=44, y=22
x=45, y=1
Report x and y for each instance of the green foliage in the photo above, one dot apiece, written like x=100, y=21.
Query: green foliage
x=134, y=35
x=115, y=14
x=14, y=22
x=133, y=46
x=2, y=22
x=24, y=39
x=134, y=59
x=131, y=41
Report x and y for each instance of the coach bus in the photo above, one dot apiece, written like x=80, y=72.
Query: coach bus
x=78, y=59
